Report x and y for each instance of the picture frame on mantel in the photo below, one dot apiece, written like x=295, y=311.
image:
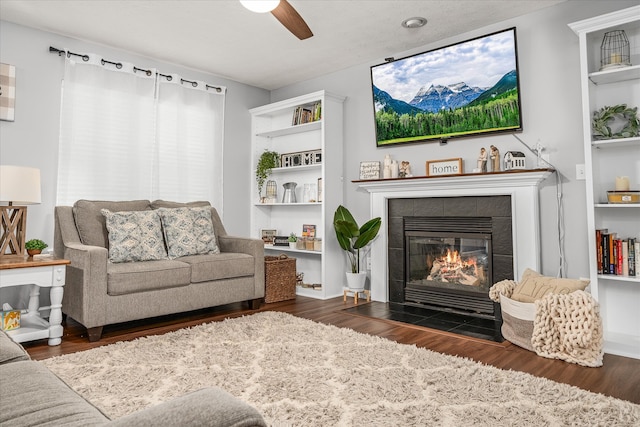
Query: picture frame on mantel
x=444, y=167
x=7, y=92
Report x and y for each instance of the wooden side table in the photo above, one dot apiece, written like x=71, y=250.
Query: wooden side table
x=38, y=273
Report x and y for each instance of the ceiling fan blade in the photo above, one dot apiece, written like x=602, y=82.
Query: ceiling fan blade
x=291, y=19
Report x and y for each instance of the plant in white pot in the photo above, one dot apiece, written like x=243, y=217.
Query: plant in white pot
x=353, y=238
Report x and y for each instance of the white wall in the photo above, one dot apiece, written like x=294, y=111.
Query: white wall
x=551, y=106
x=32, y=139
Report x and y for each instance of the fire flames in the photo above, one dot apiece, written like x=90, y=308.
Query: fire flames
x=452, y=268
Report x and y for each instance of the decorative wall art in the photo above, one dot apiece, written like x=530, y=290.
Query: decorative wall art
x=7, y=92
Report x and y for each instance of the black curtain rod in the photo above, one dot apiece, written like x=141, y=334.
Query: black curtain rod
x=118, y=65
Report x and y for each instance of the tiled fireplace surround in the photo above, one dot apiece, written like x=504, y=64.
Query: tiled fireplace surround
x=450, y=196
x=498, y=208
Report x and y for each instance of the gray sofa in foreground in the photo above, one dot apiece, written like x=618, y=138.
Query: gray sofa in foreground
x=31, y=395
x=100, y=292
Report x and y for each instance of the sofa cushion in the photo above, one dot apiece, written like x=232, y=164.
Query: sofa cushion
x=225, y=265
x=534, y=286
x=33, y=395
x=133, y=277
x=134, y=236
x=91, y=223
x=10, y=351
x=188, y=231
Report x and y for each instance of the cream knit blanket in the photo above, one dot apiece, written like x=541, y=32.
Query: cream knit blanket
x=568, y=327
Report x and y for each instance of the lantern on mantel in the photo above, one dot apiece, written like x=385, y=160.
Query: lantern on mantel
x=614, y=50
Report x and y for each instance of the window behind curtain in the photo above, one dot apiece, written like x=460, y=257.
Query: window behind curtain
x=125, y=135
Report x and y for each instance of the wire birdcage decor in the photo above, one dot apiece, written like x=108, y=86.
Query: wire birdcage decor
x=615, y=50
x=272, y=191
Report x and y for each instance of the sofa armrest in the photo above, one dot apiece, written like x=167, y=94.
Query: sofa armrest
x=253, y=247
x=85, y=292
x=206, y=407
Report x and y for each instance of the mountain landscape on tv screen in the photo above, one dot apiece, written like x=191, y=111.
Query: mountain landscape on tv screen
x=444, y=111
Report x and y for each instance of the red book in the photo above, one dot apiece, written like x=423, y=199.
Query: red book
x=619, y=257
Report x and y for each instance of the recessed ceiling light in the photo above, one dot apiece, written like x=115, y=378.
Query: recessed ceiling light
x=415, y=22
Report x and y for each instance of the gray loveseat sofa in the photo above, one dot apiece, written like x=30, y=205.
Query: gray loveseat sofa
x=100, y=292
x=31, y=395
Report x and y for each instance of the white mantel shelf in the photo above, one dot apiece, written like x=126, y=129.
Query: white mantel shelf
x=521, y=185
x=513, y=178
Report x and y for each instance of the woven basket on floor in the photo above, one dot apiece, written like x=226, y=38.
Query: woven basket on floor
x=280, y=278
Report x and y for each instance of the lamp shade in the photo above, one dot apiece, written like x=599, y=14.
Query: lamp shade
x=19, y=185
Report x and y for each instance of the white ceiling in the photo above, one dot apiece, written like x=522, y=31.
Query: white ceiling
x=223, y=38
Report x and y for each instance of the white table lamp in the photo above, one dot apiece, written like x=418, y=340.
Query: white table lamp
x=19, y=186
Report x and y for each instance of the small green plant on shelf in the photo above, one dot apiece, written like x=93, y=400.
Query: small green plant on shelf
x=267, y=161
x=293, y=238
x=35, y=244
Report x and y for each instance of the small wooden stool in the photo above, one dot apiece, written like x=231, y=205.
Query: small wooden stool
x=366, y=292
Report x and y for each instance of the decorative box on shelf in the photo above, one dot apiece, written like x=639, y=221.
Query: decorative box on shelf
x=623, y=196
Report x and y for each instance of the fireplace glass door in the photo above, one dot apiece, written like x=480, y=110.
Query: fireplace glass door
x=449, y=261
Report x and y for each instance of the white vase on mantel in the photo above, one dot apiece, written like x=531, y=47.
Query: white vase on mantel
x=356, y=281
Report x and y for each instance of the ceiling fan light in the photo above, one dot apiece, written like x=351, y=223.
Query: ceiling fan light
x=260, y=6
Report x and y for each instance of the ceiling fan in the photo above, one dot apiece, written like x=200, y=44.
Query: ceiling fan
x=284, y=12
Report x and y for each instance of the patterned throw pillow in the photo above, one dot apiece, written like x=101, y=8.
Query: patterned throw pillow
x=134, y=236
x=188, y=231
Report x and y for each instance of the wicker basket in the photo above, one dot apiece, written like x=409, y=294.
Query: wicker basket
x=280, y=278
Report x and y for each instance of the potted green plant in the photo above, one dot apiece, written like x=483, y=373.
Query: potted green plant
x=293, y=240
x=353, y=238
x=267, y=161
x=35, y=246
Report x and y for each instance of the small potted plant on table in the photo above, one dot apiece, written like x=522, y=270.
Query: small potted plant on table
x=35, y=246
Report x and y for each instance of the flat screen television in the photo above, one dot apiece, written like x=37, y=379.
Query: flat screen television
x=465, y=89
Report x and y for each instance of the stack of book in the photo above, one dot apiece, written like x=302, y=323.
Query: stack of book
x=307, y=114
x=617, y=256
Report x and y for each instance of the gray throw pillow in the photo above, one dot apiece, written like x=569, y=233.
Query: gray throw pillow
x=188, y=231
x=134, y=236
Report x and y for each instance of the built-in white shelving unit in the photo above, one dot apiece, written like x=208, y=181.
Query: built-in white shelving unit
x=618, y=295
x=272, y=130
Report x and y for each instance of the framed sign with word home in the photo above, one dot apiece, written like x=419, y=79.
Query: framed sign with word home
x=444, y=167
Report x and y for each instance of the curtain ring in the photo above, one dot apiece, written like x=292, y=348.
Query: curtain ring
x=85, y=58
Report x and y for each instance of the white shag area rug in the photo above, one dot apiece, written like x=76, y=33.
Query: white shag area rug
x=301, y=373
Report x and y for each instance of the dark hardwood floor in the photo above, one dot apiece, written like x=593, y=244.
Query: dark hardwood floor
x=618, y=377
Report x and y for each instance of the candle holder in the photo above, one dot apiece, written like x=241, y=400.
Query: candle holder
x=614, y=50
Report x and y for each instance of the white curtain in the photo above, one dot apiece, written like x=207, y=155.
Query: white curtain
x=189, y=126
x=128, y=134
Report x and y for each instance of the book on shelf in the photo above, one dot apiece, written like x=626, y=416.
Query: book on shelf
x=307, y=114
x=308, y=231
x=617, y=256
x=632, y=257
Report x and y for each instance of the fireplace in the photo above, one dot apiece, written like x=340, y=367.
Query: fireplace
x=449, y=263
x=515, y=231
